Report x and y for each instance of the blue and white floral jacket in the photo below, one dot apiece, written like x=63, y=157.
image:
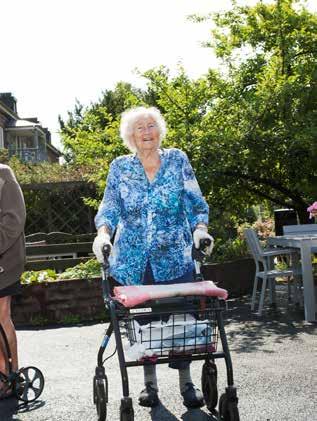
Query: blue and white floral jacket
x=153, y=220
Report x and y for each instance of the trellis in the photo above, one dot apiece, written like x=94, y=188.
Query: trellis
x=59, y=207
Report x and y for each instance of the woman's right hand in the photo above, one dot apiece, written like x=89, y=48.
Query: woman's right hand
x=102, y=239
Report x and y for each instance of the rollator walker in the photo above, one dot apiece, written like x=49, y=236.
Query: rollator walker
x=208, y=319
x=26, y=383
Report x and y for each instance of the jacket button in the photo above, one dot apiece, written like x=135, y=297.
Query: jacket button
x=1, y=269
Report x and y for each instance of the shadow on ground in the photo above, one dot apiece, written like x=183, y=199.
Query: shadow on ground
x=161, y=413
x=10, y=408
x=250, y=331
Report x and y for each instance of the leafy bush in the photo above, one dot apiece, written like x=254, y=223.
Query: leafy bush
x=264, y=228
x=38, y=276
x=229, y=250
x=87, y=270
x=235, y=248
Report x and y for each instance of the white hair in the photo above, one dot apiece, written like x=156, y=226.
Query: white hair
x=128, y=119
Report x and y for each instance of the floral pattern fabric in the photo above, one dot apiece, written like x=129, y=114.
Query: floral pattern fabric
x=153, y=221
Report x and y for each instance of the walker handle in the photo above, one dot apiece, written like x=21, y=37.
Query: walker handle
x=204, y=243
x=199, y=254
x=106, y=249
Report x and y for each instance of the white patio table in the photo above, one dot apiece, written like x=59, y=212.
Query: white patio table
x=305, y=243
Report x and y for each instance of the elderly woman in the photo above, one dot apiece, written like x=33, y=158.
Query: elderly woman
x=153, y=204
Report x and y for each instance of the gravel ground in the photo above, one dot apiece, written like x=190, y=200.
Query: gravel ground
x=274, y=361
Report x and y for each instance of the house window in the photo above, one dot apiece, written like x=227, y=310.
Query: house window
x=1, y=138
x=25, y=142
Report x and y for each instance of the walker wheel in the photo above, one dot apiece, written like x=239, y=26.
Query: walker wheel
x=127, y=416
x=228, y=409
x=126, y=410
x=100, y=397
x=29, y=384
x=209, y=384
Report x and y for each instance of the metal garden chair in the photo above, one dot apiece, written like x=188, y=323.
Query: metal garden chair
x=265, y=269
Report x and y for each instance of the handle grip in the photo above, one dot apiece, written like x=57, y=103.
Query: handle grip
x=199, y=253
x=204, y=243
x=106, y=249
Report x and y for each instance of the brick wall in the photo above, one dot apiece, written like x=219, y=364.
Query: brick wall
x=59, y=302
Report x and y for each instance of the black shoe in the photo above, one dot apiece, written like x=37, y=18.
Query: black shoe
x=149, y=397
x=193, y=398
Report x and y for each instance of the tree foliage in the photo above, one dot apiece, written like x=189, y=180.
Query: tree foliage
x=270, y=102
x=45, y=172
x=249, y=131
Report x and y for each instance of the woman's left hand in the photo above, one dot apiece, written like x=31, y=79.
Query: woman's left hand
x=201, y=233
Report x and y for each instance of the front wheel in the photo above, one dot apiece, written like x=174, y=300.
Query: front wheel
x=100, y=398
x=29, y=384
x=228, y=409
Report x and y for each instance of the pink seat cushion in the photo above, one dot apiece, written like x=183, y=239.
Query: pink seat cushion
x=133, y=295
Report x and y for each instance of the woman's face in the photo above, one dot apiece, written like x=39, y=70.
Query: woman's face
x=146, y=134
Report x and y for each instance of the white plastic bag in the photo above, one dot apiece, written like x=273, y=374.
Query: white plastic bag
x=180, y=333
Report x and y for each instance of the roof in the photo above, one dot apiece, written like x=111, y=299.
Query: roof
x=55, y=150
x=7, y=110
x=23, y=123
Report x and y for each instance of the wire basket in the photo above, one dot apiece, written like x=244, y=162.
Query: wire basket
x=161, y=333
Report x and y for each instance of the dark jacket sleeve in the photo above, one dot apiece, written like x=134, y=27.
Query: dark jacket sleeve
x=12, y=209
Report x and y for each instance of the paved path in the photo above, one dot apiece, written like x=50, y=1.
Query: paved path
x=274, y=360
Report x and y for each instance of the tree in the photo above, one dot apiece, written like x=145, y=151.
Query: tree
x=266, y=113
x=250, y=132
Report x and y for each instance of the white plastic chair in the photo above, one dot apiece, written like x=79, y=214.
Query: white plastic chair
x=264, y=269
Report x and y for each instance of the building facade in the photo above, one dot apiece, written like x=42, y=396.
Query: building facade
x=24, y=137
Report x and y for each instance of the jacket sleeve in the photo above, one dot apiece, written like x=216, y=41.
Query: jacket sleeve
x=196, y=207
x=109, y=209
x=12, y=214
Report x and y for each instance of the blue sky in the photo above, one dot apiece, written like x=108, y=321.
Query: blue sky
x=60, y=50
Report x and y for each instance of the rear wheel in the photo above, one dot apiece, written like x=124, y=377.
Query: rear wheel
x=228, y=409
x=126, y=410
x=127, y=416
x=209, y=384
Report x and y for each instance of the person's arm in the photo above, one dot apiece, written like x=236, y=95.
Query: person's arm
x=12, y=210
x=108, y=214
x=197, y=209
